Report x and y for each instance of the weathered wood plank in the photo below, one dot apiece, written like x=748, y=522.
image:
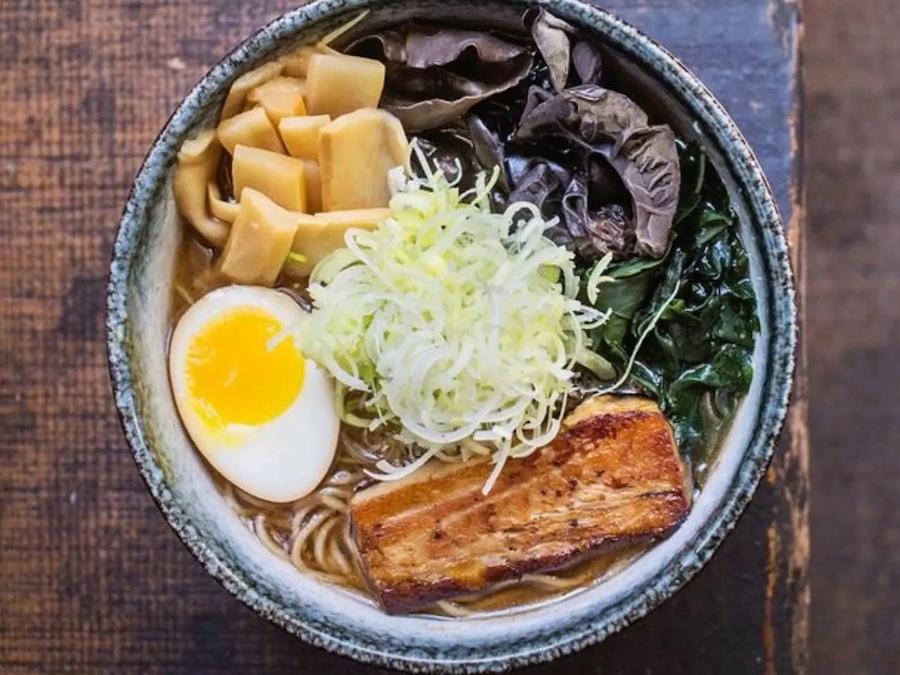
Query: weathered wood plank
x=93, y=579
x=854, y=333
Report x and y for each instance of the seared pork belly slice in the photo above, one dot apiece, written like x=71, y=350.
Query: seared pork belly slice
x=613, y=476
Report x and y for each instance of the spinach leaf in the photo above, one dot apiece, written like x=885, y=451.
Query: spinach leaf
x=697, y=359
x=623, y=297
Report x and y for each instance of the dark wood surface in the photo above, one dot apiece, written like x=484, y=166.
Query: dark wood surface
x=92, y=579
x=853, y=132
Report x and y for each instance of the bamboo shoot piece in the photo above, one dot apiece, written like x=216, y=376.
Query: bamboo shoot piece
x=252, y=128
x=198, y=160
x=300, y=135
x=280, y=97
x=221, y=209
x=296, y=64
x=259, y=242
x=280, y=84
x=318, y=236
x=279, y=177
x=313, y=186
x=337, y=84
x=356, y=151
x=234, y=102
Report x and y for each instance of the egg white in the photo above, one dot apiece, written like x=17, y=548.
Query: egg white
x=280, y=460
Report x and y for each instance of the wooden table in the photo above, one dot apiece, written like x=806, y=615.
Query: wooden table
x=91, y=578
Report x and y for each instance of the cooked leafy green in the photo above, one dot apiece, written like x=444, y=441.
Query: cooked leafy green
x=697, y=359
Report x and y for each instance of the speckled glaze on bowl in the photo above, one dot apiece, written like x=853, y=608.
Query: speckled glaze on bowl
x=138, y=308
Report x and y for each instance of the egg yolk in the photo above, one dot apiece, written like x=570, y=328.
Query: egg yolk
x=232, y=375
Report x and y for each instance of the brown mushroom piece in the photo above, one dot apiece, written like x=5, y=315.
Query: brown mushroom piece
x=598, y=122
x=436, y=75
x=198, y=160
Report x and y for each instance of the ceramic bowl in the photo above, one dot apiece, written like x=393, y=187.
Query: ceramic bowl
x=138, y=310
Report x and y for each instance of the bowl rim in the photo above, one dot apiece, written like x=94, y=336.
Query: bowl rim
x=681, y=83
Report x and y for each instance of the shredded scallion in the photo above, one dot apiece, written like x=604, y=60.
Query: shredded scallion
x=461, y=325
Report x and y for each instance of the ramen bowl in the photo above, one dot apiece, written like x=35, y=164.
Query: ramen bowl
x=138, y=319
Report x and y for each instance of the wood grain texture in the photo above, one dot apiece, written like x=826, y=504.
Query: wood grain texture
x=853, y=132
x=93, y=580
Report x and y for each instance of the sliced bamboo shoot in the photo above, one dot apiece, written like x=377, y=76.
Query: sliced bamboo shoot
x=279, y=84
x=252, y=128
x=296, y=64
x=259, y=242
x=337, y=84
x=280, y=97
x=279, y=105
x=279, y=177
x=322, y=234
x=198, y=160
x=234, y=102
x=356, y=151
x=300, y=135
x=313, y=186
x=221, y=209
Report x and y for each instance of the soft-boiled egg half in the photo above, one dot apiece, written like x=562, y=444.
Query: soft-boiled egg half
x=260, y=412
